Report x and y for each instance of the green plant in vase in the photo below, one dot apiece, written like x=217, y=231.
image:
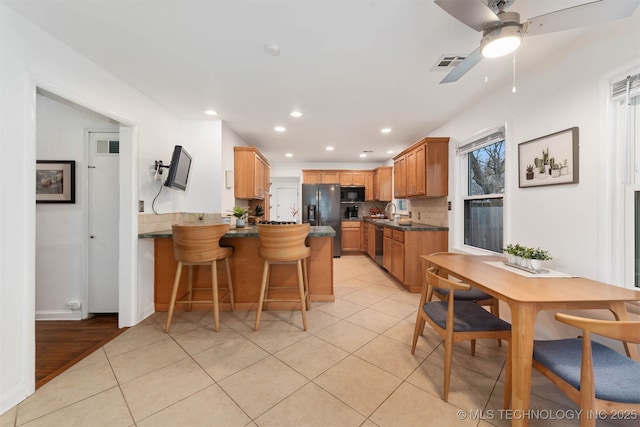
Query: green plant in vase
x=537, y=256
x=241, y=213
x=529, y=172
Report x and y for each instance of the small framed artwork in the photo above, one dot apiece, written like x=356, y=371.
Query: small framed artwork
x=55, y=181
x=549, y=160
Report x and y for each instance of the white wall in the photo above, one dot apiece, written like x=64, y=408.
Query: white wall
x=32, y=58
x=61, y=229
x=229, y=140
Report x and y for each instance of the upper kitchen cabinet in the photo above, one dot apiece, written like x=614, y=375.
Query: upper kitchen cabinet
x=314, y=176
x=351, y=178
x=382, y=183
x=400, y=178
x=251, y=173
x=426, y=165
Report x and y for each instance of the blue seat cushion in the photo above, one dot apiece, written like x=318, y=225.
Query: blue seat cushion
x=616, y=377
x=472, y=294
x=467, y=317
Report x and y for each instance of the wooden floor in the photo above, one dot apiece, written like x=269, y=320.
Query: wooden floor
x=60, y=344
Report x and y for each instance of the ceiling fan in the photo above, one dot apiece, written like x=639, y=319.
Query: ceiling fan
x=502, y=31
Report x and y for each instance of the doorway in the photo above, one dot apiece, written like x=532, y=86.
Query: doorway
x=286, y=199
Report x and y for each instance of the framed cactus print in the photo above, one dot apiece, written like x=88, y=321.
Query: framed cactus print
x=549, y=160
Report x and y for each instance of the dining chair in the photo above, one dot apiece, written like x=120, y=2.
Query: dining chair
x=594, y=376
x=200, y=245
x=455, y=321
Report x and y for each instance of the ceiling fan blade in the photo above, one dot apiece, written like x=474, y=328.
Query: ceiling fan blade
x=462, y=68
x=473, y=13
x=580, y=16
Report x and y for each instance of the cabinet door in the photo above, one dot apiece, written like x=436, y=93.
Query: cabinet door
x=437, y=168
x=397, y=263
x=376, y=185
x=331, y=177
x=368, y=186
x=358, y=178
x=421, y=171
x=411, y=173
x=312, y=177
x=385, y=192
x=346, y=178
x=400, y=178
x=387, y=254
x=258, y=181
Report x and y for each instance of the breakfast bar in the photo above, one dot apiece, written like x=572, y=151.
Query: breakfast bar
x=246, y=270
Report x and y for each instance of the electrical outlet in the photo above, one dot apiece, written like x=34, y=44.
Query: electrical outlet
x=140, y=205
x=418, y=215
x=448, y=206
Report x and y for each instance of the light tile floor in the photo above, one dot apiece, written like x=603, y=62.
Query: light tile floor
x=353, y=367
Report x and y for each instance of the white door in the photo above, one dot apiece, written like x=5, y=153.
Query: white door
x=286, y=204
x=104, y=195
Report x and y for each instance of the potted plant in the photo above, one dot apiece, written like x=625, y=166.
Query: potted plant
x=537, y=256
x=564, y=169
x=555, y=170
x=529, y=172
x=241, y=213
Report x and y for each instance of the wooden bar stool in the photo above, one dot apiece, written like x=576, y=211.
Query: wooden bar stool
x=200, y=245
x=279, y=244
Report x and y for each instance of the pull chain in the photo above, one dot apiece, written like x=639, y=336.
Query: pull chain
x=513, y=90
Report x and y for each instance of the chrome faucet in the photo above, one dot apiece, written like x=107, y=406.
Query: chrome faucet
x=395, y=209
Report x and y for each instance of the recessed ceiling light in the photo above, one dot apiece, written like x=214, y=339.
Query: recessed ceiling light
x=279, y=128
x=289, y=155
x=296, y=114
x=272, y=49
x=211, y=113
x=329, y=148
x=390, y=152
x=363, y=155
x=385, y=130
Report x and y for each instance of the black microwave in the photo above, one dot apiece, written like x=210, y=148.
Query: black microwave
x=351, y=194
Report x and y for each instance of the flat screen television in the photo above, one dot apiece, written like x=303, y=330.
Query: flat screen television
x=178, y=175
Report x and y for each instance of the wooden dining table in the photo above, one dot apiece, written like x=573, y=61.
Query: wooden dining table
x=526, y=296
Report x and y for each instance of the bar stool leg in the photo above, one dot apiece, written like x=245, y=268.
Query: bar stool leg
x=214, y=288
x=230, y=282
x=190, y=287
x=301, y=286
x=174, y=293
x=305, y=270
x=263, y=285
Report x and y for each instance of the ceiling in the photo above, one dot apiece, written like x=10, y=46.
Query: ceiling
x=351, y=67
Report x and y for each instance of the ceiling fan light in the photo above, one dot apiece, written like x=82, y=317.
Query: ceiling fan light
x=501, y=41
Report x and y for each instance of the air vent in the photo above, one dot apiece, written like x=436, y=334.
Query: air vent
x=447, y=62
x=106, y=147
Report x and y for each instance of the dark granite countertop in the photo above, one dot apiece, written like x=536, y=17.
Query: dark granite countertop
x=414, y=227
x=250, y=231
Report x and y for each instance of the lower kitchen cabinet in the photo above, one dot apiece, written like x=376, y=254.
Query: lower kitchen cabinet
x=351, y=239
x=402, y=252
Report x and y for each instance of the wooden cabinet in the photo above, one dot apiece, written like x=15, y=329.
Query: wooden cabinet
x=382, y=183
x=351, y=239
x=368, y=186
x=427, y=168
x=318, y=176
x=393, y=253
x=400, y=178
x=402, y=251
x=350, y=178
x=371, y=241
x=251, y=173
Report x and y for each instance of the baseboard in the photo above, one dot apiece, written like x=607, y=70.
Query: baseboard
x=58, y=315
x=12, y=397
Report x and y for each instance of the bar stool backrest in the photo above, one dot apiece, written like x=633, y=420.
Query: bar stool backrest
x=199, y=243
x=283, y=242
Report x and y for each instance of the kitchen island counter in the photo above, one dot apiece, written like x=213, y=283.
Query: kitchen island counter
x=246, y=270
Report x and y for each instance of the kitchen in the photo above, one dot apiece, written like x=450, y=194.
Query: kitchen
x=544, y=111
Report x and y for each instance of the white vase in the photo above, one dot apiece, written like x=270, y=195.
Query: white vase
x=536, y=264
x=517, y=260
x=524, y=262
x=239, y=223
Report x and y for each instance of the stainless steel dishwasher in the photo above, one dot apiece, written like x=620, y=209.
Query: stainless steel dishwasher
x=379, y=244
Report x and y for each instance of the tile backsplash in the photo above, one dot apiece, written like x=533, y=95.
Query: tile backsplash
x=149, y=222
x=432, y=211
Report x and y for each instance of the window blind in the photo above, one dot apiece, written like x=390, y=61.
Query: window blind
x=488, y=138
x=619, y=88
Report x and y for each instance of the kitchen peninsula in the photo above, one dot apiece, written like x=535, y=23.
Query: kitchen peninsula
x=246, y=270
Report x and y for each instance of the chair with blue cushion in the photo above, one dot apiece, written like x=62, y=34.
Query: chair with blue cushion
x=456, y=320
x=594, y=376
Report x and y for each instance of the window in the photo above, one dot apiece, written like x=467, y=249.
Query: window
x=483, y=197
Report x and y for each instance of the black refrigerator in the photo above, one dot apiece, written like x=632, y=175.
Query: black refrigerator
x=321, y=206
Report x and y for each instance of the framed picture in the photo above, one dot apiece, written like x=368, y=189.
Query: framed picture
x=55, y=181
x=549, y=160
